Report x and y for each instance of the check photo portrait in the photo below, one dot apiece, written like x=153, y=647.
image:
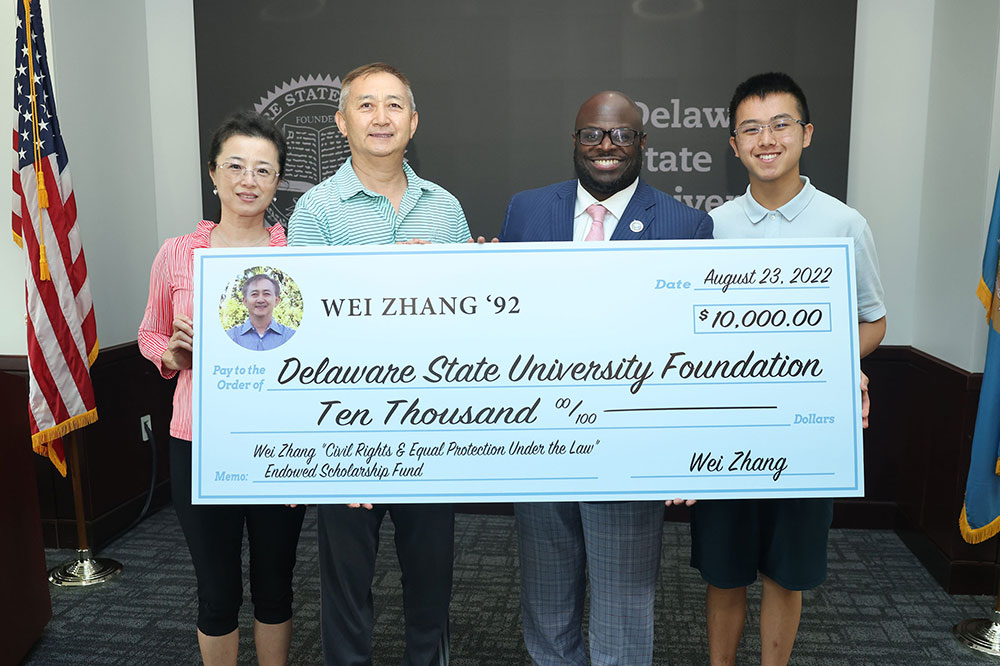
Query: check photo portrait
x=261, y=331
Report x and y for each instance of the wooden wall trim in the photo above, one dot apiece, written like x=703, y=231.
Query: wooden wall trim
x=115, y=462
x=916, y=458
x=923, y=419
x=15, y=365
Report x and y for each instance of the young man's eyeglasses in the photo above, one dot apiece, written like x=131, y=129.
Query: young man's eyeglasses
x=777, y=126
x=620, y=136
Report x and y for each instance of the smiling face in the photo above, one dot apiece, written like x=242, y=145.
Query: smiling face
x=377, y=119
x=771, y=159
x=260, y=297
x=606, y=168
x=245, y=195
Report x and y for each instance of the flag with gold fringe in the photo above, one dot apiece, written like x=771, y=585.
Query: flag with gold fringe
x=62, y=330
x=980, y=517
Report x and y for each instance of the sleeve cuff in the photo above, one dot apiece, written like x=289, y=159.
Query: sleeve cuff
x=152, y=347
x=871, y=315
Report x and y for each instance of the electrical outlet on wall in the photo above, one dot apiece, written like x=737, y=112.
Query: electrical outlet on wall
x=145, y=426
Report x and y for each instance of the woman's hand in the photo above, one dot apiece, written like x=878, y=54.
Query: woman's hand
x=178, y=353
x=866, y=403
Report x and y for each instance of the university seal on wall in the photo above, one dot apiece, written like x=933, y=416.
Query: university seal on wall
x=304, y=110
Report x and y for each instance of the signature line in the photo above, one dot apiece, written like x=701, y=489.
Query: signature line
x=677, y=409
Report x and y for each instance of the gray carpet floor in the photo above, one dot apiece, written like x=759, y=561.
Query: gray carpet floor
x=879, y=606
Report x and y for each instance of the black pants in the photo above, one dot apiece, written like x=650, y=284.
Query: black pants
x=214, y=536
x=348, y=543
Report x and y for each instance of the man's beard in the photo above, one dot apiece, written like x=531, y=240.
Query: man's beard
x=603, y=187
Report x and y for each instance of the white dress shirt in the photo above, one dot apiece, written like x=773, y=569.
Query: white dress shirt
x=616, y=205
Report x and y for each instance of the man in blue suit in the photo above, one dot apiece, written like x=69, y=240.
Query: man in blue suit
x=616, y=543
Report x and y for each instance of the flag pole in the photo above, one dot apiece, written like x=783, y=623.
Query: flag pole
x=981, y=634
x=980, y=517
x=85, y=569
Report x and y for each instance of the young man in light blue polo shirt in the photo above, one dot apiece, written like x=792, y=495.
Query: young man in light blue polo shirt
x=785, y=540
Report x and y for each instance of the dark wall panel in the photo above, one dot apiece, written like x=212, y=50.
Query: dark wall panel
x=497, y=85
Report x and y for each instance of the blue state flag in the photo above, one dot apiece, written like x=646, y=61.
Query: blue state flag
x=980, y=517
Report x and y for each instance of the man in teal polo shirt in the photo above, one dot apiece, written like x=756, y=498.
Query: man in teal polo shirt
x=376, y=198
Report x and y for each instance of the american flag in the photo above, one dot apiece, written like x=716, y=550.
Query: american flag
x=62, y=330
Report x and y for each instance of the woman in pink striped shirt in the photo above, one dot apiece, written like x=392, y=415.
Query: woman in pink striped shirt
x=248, y=154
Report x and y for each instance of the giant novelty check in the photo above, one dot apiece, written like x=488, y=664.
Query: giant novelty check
x=531, y=372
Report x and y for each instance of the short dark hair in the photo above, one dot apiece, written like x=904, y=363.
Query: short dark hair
x=762, y=85
x=373, y=68
x=247, y=123
x=256, y=277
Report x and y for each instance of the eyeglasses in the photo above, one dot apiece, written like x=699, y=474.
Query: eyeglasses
x=620, y=136
x=777, y=126
x=236, y=171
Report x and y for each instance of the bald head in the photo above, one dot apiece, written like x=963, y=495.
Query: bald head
x=609, y=105
x=607, y=167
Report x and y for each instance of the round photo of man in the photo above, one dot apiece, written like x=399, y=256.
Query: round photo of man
x=261, y=308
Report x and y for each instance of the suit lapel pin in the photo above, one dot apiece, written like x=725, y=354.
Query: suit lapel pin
x=635, y=226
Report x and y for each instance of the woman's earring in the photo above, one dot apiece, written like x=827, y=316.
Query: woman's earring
x=215, y=191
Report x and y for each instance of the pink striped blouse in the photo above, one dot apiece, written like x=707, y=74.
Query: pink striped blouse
x=171, y=292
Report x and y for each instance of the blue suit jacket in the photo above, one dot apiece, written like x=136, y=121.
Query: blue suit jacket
x=546, y=214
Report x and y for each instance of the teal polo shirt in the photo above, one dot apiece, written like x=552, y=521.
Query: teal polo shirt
x=341, y=211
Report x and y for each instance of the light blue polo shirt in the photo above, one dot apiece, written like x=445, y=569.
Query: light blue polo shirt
x=246, y=336
x=810, y=214
x=341, y=211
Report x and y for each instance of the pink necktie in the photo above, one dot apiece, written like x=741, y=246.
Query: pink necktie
x=596, y=212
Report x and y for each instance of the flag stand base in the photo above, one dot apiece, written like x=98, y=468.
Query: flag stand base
x=980, y=634
x=84, y=570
